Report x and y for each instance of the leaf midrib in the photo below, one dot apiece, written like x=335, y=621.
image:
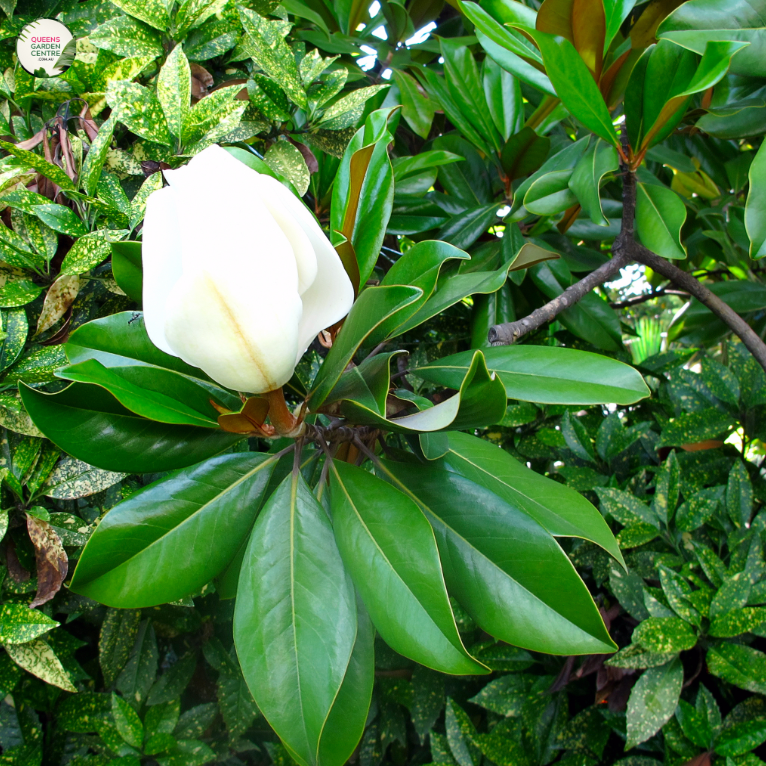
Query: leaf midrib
x=393, y=569
x=520, y=373
x=492, y=563
x=199, y=510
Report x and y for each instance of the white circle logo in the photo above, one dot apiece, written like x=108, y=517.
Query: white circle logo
x=46, y=48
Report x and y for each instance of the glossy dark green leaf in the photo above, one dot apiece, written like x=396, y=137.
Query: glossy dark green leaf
x=564, y=159
x=440, y=91
x=660, y=215
x=127, y=268
x=454, y=288
x=480, y=401
x=406, y=167
x=695, y=23
x=418, y=267
x=463, y=229
x=550, y=194
x=465, y=86
x=296, y=630
x=389, y=549
x=469, y=181
x=755, y=209
x=374, y=306
x=524, y=153
x=348, y=715
x=417, y=109
x=586, y=178
x=492, y=554
x=175, y=535
x=367, y=383
x=664, y=80
x=547, y=374
x=574, y=84
x=615, y=12
x=561, y=510
x=503, y=94
x=363, y=192
x=120, y=340
x=508, y=47
x=152, y=393
x=89, y=424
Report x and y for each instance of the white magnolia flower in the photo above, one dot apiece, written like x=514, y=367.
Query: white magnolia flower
x=238, y=276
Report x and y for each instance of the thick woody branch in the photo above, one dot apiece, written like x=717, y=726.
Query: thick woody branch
x=510, y=332
x=694, y=287
x=626, y=244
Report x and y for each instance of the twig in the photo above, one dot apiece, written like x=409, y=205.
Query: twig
x=509, y=332
x=646, y=297
x=297, y=456
x=376, y=350
x=362, y=447
x=336, y=434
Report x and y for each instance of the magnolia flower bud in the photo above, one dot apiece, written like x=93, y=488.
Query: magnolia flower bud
x=238, y=276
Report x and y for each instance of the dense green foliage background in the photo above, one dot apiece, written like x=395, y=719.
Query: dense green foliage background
x=677, y=476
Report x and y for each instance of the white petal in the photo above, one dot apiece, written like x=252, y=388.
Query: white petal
x=305, y=257
x=223, y=219
x=243, y=336
x=161, y=255
x=331, y=294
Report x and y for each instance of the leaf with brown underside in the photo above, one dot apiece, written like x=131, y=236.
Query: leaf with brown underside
x=311, y=161
x=642, y=35
x=248, y=420
x=51, y=558
x=589, y=33
x=555, y=18
x=345, y=251
x=202, y=82
x=15, y=570
x=58, y=300
x=36, y=140
x=88, y=123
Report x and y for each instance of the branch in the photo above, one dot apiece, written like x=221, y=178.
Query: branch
x=624, y=250
x=646, y=297
x=626, y=244
x=695, y=288
x=510, y=332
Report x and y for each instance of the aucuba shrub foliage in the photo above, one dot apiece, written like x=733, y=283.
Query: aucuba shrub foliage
x=401, y=544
